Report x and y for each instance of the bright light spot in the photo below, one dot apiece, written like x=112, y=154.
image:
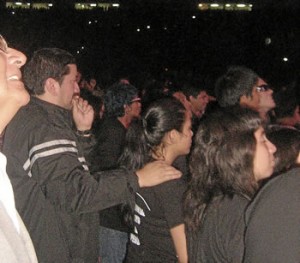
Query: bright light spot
x=90, y=22
x=241, y=5
x=50, y=4
x=165, y=28
x=12, y=12
x=78, y=51
x=214, y=5
x=285, y=59
x=82, y=47
x=166, y=69
x=148, y=27
x=96, y=21
x=228, y=5
x=18, y=3
x=200, y=5
x=250, y=5
x=93, y=5
x=268, y=41
x=28, y=3
x=138, y=30
x=193, y=17
x=115, y=5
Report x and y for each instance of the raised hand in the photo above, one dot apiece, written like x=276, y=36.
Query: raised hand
x=83, y=114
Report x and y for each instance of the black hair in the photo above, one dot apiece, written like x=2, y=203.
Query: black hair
x=221, y=162
x=287, y=142
x=118, y=95
x=145, y=135
x=46, y=63
x=236, y=82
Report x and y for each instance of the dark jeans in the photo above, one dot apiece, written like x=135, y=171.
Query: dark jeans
x=112, y=245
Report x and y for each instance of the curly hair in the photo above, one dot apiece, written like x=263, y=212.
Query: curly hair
x=221, y=162
x=46, y=63
x=117, y=96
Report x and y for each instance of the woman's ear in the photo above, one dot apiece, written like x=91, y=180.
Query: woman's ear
x=172, y=136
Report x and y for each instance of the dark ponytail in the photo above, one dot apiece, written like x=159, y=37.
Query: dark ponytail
x=146, y=134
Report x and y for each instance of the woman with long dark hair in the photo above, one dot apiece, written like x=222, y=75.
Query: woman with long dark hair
x=163, y=133
x=231, y=156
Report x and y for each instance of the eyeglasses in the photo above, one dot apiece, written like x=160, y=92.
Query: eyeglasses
x=136, y=100
x=263, y=88
x=3, y=44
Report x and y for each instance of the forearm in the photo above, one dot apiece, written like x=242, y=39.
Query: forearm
x=179, y=240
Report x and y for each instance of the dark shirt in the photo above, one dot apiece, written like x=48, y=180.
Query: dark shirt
x=110, y=143
x=158, y=209
x=273, y=221
x=220, y=237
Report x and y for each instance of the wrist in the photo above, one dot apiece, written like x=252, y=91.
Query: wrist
x=84, y=133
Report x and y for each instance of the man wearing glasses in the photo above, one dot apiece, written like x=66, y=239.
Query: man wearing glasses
x=242, y=86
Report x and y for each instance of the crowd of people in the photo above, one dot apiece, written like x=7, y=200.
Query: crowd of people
x=169, y=172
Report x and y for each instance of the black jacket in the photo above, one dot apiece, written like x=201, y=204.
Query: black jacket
x=55, y=194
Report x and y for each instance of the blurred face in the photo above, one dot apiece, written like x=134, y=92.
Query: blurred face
x=296, y=115
x=266, y=101
x=264, y=160
x=68, y=88
x=263, y=96
x=134, y=108
x=185, y=137
x=261, y=99
x=12, y=92
x=200, y=102
x=179, y=95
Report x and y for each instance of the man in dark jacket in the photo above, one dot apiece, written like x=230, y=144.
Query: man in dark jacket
x=45, y=146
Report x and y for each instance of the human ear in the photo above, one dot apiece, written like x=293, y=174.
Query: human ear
x=173, y=136
x=127, y=109
x=52, y=86
x=298, y=159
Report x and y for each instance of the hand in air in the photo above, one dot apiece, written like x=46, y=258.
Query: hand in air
x=83, y=114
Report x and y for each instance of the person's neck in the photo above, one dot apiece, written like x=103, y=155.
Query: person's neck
x=287, y=121
x=196, y=112
x=125, y=120
x=167, y=156
x=263, y=114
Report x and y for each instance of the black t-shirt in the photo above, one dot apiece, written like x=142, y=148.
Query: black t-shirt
x=273, y=221
x=157, y=210
x=220, y=237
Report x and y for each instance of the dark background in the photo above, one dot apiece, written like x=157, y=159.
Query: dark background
x=175, y=45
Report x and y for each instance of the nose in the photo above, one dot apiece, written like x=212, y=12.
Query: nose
x=76, y=88
x=16, y=57
x=272, y=148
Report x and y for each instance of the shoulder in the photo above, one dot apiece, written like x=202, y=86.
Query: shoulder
x=282, y=191
x=228, y=211
x=273, y=221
